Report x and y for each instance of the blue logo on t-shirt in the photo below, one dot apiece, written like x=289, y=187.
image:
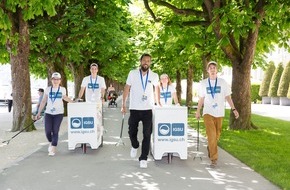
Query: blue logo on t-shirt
x=93, y=86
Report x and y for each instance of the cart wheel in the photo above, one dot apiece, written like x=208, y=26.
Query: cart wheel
x=84, y=147
x=101, y=145
x=170, y=155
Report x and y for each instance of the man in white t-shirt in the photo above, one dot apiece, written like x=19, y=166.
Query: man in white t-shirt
x=140, y=84
x=212, y=93
x=94, y=85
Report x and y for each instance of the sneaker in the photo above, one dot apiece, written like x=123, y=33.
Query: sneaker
x=143, y=163
x=49, y=147
x=213, y=164
x=133, y=152
x=51, y=153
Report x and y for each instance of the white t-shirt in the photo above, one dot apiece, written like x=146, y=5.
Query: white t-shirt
x=166, y=95
x=214, y=96
x=54, y=100
x=140, y=99
x=93, y=88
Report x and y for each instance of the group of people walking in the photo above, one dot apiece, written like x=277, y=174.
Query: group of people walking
x=141, y=84
x=145, y=90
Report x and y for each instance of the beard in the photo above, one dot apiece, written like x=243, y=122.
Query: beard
x=144, y=68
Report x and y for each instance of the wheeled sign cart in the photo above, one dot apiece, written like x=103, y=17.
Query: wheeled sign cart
x=85, y=125
x=169, y=132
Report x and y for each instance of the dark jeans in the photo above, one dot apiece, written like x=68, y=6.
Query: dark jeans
x=52, y=125
x=146, y=117
x=10, y=102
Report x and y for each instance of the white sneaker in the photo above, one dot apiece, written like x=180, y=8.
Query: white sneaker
x=143, y=163
x=51, y=153
x=133, y=152
x=49, y=147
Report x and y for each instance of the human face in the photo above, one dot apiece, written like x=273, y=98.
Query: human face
x=212, y=71
x=55, y=81
x=164, y=80
x=145, y=63
x=94, y=70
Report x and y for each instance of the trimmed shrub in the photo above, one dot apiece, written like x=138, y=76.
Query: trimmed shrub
x=284, y=81
x=274, y=84
x=255, y=93
x=288, y=94
x=264, y=88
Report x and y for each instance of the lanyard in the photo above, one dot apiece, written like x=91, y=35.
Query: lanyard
x=55, y=96
x=212, y=91
x=165, y=94
x=93, y=85
x=144, y=85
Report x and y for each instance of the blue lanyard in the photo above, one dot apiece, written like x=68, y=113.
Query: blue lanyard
x=165, y=95
x=144, y=85
x=55, y=96
x=212, y=91
x=93, y=85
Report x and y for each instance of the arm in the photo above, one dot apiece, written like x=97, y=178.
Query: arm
x=67, y=99
x=175, y=99
x=199, y=106
x=103, y=91
x=41, y=106
x=230, y=102
x=125, y=95
x=157, y=94
x=81, y=92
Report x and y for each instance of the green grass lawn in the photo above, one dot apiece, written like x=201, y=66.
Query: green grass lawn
x=266, y=150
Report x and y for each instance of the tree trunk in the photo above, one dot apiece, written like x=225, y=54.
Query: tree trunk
x=79, y=74
x=241, y=98
x=189, y=85
x=178, y=85
x=20, y=74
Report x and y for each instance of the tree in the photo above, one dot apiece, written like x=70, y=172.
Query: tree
x=264, y=88
x=235, y=25
x=14, y=33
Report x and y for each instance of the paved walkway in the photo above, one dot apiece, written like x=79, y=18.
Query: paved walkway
x=24, y=164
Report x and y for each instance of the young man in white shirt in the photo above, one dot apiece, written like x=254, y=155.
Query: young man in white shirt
x=212, y=93
x=94, y=85
x=140, y=84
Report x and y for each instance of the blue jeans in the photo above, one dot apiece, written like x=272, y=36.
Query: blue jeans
x=146, y=117
x=52, y=125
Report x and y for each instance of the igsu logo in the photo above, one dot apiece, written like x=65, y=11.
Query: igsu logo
x=82, y=122
x=170, y=129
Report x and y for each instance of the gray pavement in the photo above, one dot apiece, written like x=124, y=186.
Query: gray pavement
x=25, y=164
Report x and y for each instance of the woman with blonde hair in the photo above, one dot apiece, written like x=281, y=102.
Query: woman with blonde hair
x=167, y=91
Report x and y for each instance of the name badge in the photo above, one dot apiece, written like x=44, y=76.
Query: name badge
x=52, y=109
x=144, y=97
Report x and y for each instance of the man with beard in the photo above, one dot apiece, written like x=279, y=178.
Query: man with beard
x=140, y=83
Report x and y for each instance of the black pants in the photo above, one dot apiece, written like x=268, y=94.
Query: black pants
x=146, y=117
x=10, y=102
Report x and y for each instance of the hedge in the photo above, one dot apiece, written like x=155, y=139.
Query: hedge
x=255, y=97
x=284, y=82
x=274, y=84
x=264, y=88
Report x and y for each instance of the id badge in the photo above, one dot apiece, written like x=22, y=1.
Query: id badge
x=52, y=109
x=144, y=97
x=93, y=98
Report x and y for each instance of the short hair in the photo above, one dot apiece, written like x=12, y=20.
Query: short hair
x=145, y=55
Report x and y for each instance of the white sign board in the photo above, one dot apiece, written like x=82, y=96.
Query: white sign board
x=84, y=124
x=169, y=131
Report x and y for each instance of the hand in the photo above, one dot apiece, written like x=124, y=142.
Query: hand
x=197, y=115
x=123, y=109
x=236, y=113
